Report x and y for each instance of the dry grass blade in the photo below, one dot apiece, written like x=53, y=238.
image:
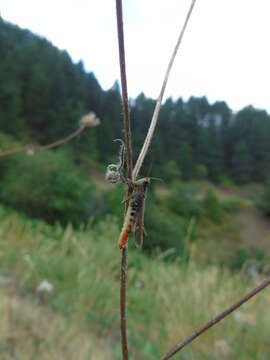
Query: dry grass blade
x=159, y=101
x=217, y=319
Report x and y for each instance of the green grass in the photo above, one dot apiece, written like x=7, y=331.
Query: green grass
x=165, y=302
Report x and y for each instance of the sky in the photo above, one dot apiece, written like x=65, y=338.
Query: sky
x=225, y=54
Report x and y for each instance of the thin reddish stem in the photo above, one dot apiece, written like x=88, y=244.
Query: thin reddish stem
x=217, y=319
x=123, y=276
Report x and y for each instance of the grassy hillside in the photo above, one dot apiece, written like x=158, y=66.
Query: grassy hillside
x=166, y=301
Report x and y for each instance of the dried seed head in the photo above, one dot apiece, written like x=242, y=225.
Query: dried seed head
x=113, y=174
x=30, y=150
x=45, y=287
x=89, y=120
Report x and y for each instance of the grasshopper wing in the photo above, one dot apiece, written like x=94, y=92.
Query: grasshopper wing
x=139, y=227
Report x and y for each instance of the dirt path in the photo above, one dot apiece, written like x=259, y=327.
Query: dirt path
x=254, y=229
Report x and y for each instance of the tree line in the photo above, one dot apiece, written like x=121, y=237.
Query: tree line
x=43, y=94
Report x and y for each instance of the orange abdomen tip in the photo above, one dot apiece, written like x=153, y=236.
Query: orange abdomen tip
x=124, y=236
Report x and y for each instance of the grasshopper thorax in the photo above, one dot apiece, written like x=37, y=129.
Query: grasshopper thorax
x=142, y=183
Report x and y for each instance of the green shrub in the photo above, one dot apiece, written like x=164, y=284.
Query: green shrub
x=164, y=230
x=212, y=207
x=171, y=172
x=183, y=201
x=201, y=172
x=7, y=142
x=239, y=259
x=231, y=205
x=48, y=185
x=226, y=182
x=113, y=203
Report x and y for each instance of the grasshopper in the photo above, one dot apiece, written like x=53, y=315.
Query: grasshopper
x=134, y=218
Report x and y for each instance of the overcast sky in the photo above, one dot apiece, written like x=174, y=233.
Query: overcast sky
x=225, y=54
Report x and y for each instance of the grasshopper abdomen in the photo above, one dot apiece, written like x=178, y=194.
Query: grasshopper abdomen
x=134, y=215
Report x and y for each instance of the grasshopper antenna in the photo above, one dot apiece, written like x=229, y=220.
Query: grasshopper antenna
x=121, y=155
x=154, y=178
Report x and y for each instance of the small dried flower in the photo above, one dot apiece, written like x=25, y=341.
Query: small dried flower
x=138, y=284
x=222, y=347
x=244, y=319
x=45, y=287
x=113, y=174
x=89, y=120
x=30, y=150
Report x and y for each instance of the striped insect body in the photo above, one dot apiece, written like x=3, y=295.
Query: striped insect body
x=134, y=219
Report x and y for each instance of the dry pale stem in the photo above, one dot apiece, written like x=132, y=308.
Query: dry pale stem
x=30, y=147
x=158, y=104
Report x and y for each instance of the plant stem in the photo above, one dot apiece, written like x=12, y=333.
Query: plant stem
x=59, y=142
x=122, y=61
x=217, y=319
x=159, y=100
x=123, y=276
x=123, y=302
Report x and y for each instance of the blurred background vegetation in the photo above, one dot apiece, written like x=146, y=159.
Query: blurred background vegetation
x=207, y=223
